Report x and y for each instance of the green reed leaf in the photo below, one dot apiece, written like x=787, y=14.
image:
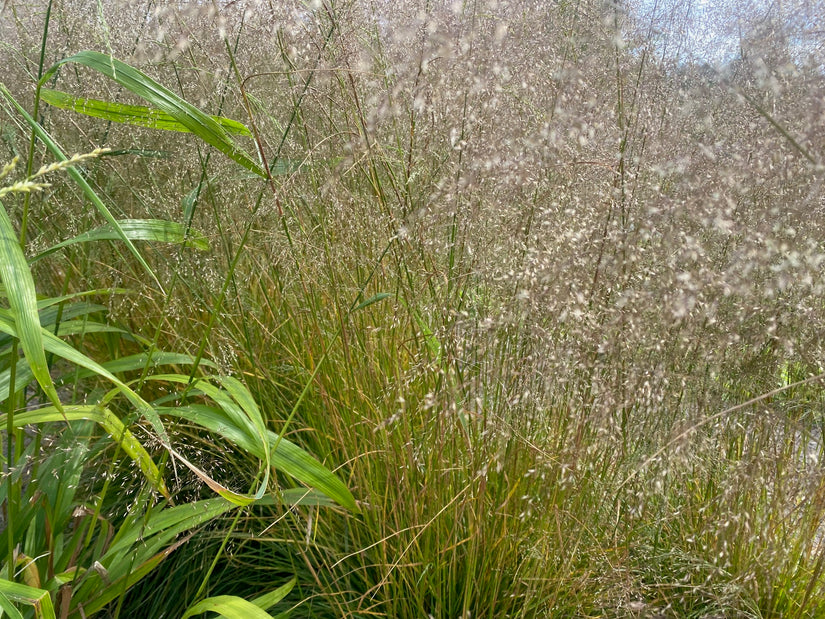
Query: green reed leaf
x=9, y=608
x=77, y=177
x=20, y=291
x=58, y=347
x=110, y=423
x=131, y=114
x=158, y=230
x=233, y=607
x=160, y=97
x=37, y=598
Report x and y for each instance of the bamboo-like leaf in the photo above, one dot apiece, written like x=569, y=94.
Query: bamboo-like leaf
x=77, y=177
x=116, y=587
x=109, y=422
x=243, y=431
x=136, y=230
x=37, y=598
x=163, y=525
x=160, y=97
x=269, y=600
x=138, y=361
x=60, y=348
x=228, y=606
x=241, y=420
x=291, y=459
x=22, y=378
x=373, y=299
x=20, y=291
x=131, y=114
x=233, y=607
x=9, y=608
x=285, y=456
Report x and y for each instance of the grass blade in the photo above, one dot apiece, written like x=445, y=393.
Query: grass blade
x=60, y=348
x=160, y=97
x=38, y=598
x=233, y=607
x=110, y=423
x=131, y=114
x=22, y=297
x=158, y=230
x=291, y=459
x=273, y=597
x=77, y=177
x=285, y=456
x=9, y=608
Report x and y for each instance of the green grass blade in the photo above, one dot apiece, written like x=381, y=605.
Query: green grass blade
x=373, y=299
x=297, y=496
x=138, y=362
x=37, y=598
x=233, y=607
x=22, y=297
x=158, y=230
x=77, y=177
x=131, y=114
x=110, y=423
x=236, y=422
x=60, y=348
x=166, y=523
x=228, y=606
x=22, y=378
x=273, y=597
x=291, y=459
x=217, y=421
x=140, y=84
x=124, y=583
x=285, y=456
x=255, y=443
x=9, y=608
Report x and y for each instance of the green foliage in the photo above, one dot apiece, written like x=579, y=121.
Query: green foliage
x=70, y=551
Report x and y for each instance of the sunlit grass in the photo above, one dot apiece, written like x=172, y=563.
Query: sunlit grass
x=544, y=297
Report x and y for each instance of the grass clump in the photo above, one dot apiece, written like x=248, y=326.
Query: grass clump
x=541, y=293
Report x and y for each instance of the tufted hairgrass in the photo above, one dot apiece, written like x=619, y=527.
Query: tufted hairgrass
x=542, y=293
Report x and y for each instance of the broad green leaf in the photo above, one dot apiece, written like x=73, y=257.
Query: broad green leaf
x=136, y=230
x=37, y=598
x=138, y=361
x=9, y=608
x=291, y=459
x=164, y=524
x=228, y=606
x=239, y=421
x=285, y=456
x=235, y=414
x=189, y=202
x=142, y=542
x=20, y=291
x=60, y=348
x=297, y=496
x=131, y=114
x=23, y=377
x=233, y=607
x=48, y=302
x=269, y=600
x=77, y=177
x=160, y=97
x=117, y=586
x=109, y=422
